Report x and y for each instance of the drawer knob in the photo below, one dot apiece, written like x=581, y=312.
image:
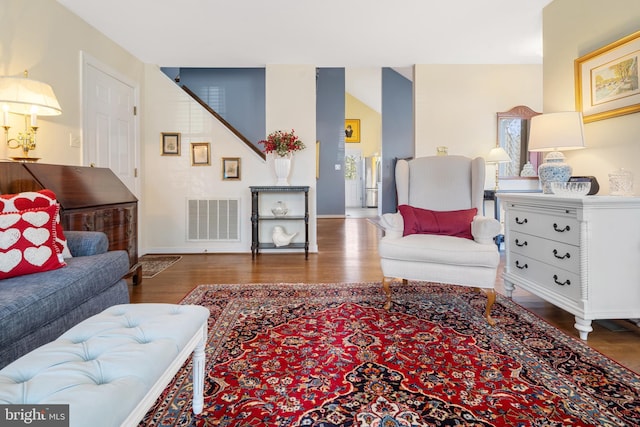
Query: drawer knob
x=521, y=244
x=555, y=254
x=561, y=230
x=566, y=282
x=521, y=267
x=519, y=221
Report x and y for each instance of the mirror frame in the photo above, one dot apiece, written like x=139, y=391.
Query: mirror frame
x=524, y=113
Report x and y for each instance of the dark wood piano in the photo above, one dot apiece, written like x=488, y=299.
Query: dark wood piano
x=90, y=198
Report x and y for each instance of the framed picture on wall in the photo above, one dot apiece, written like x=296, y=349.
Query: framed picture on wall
x=170, y=144
x=200, y=154
x=607, y=80
x=230, y=168
x=352, y=130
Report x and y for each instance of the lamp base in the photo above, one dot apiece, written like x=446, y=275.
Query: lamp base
x=554, y=169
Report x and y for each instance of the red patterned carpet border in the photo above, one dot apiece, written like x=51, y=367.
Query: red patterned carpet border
x=330, y=355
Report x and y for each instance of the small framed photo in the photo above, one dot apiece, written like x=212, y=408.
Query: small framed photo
x=230, y=168
x=170, y=144
x=352, y=130
x=200, y=154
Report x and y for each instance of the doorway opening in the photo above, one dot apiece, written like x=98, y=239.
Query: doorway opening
x=362, y=183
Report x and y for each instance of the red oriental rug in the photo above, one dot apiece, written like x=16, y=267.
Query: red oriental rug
x=330, y=355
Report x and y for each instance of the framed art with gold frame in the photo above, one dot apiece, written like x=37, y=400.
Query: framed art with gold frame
x=352, y=130
x=230, y=168
x=200, y=154
x=607, y=80
x=170, y=144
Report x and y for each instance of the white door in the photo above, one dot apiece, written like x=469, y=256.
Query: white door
x=353, y=179
x=109, y=123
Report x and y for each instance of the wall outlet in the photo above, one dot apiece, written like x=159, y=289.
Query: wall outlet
x=74, y=140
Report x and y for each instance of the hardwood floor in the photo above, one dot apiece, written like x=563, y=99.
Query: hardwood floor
x=348, y=253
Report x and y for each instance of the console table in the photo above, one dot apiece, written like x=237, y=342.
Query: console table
x=257, y=219
x=581, y=254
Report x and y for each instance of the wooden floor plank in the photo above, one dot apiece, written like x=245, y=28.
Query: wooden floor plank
x=348, y=252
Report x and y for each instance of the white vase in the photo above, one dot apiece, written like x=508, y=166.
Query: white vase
x=282, y=166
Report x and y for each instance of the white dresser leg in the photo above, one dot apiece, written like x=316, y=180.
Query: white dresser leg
x=509, y=287
x=583, y=326
x=198, y=374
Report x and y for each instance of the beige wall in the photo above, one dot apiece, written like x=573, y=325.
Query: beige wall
x=573, y=28
x=47, y=40
x=168, y=182
x=291, y=104
x=456, y=105
x=370, y=126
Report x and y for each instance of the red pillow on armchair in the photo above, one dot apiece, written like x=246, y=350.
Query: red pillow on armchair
x=448, y=223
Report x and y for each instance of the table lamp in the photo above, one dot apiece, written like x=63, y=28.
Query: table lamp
x=496, y=156
x=553, y=132
x=29, y=98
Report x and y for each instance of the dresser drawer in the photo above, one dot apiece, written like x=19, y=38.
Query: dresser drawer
x=557, y=254
x=558, y=280
x=561, y=228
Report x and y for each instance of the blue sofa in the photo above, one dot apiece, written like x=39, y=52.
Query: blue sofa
x=37, y=308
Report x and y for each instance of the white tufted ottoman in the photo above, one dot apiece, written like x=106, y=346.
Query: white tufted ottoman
x=112, y=367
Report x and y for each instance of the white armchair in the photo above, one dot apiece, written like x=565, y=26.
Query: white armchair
x=441, y=183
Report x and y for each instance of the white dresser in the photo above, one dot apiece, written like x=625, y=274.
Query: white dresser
x=580, y=254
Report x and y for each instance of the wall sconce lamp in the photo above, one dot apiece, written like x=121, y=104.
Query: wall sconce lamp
x=553, y=132
x=31, y=98
x=496, y=156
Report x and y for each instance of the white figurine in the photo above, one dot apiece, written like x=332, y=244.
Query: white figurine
x=280, y=236
x=527, y=170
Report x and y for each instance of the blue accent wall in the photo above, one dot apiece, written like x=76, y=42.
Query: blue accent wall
x=237, y=94
x=397, y=131
x=330, y=112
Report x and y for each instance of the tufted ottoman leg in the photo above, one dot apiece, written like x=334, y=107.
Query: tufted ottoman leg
x=111, y=368
x=198, y=362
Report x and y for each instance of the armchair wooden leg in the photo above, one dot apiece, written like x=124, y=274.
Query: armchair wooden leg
x=491, y=298
x=386, y=286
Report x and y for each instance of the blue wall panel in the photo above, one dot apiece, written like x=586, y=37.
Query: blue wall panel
x=237, y=94
x=397, y=131
x=330, y=112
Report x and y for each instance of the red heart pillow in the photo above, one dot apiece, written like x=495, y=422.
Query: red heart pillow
x=31, y=200
x=27, y=242
x=448, y=223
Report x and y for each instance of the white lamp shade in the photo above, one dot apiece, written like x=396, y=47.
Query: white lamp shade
x=557, y=131
x=22, y=95
x=498, y=155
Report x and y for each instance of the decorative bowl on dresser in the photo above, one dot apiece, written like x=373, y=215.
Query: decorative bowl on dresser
x=581, y=254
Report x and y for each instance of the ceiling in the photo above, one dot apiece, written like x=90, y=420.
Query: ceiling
x=328, y=33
